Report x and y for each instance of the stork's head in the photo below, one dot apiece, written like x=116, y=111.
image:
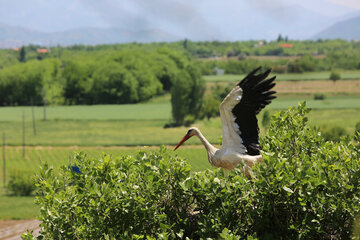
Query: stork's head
x=191, y=132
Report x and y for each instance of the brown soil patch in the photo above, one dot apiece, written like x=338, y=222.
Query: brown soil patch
x=270, y=58
x=12, y=229
x=318, y=86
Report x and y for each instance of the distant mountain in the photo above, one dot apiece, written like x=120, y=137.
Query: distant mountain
x=12, y=36
x=347, y=29
x=229, y=20
x=293, y=21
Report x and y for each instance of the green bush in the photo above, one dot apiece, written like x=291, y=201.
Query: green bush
x=319, y=96
x=357, y=128
x=20, y=184
x=333, y=133
x=210, y=107
x=334, y=76
x=306, y=188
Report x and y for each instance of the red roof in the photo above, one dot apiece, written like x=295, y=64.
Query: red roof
x=286, y=45
x=43, y=50
x=16, y=49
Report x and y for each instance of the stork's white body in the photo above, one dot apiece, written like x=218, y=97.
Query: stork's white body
x=234, y=150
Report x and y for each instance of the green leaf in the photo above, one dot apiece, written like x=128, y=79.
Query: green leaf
x=288, y=189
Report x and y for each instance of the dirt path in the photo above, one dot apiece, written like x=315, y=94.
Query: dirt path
x=318, y=86
x=341, y=87
x=12, y=229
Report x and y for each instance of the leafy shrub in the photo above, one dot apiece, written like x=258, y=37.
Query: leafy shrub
x=306, y=188
x=20, y=184
x=319, y=96
x=334, y=76
x=357, y=128
x=210, y=107
x=333, y=133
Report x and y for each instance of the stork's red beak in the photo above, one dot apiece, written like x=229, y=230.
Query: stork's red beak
x=186, y=137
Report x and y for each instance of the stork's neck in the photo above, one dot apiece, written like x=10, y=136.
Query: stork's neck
x=209, y=148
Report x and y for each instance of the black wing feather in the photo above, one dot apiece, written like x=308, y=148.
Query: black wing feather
x=256, y=95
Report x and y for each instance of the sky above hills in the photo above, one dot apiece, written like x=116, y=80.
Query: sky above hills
x=198, y=20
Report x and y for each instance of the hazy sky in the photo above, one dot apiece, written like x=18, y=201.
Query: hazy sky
x=355, y=4
x=175, y=16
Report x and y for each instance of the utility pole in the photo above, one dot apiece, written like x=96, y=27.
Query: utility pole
x=4, y=160
x=23, y=130
x=44, y=105
x=33, y=116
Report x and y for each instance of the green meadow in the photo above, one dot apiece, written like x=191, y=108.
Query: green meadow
x=118, y=125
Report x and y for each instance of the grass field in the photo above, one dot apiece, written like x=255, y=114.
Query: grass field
x=333, y=102
x=346, y=75
x=18, y=207
x=70, y=129
x=143, y=111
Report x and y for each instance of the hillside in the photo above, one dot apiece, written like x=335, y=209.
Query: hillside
x=13, y=36
x=67, y=23
x=347, y=29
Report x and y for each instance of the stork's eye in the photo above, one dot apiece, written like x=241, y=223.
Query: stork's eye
x=188, y=133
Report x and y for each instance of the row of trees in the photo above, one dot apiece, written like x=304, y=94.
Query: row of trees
x=112, y=77
x=339, y=49
x=107, y=77
x=305, y=63
x=265, y=48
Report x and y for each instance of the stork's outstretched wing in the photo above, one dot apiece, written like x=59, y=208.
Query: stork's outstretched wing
x=238, y=112
x=256, y=94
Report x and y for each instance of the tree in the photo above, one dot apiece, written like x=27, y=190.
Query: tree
x=113, y=84
x=210, y=107
x=22, y=56
x=185, y=43
x=334, y=76
x=75, y=83
x=187, y=94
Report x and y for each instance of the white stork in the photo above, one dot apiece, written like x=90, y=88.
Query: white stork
x=240, y=131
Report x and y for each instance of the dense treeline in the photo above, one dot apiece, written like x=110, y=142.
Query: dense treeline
x=264, y=48
x=130, y=73
x=211, y=49
x=101, y=77
x=288, y=56
x=305, y=63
